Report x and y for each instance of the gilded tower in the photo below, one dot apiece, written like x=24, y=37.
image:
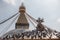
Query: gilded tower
x=22, y=22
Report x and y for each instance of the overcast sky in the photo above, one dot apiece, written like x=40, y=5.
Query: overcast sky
x=47, y=9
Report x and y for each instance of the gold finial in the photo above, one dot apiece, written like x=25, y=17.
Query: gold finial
x=22, y=8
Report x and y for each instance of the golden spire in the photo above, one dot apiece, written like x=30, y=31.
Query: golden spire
x=22, y=21
x=22, y=8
